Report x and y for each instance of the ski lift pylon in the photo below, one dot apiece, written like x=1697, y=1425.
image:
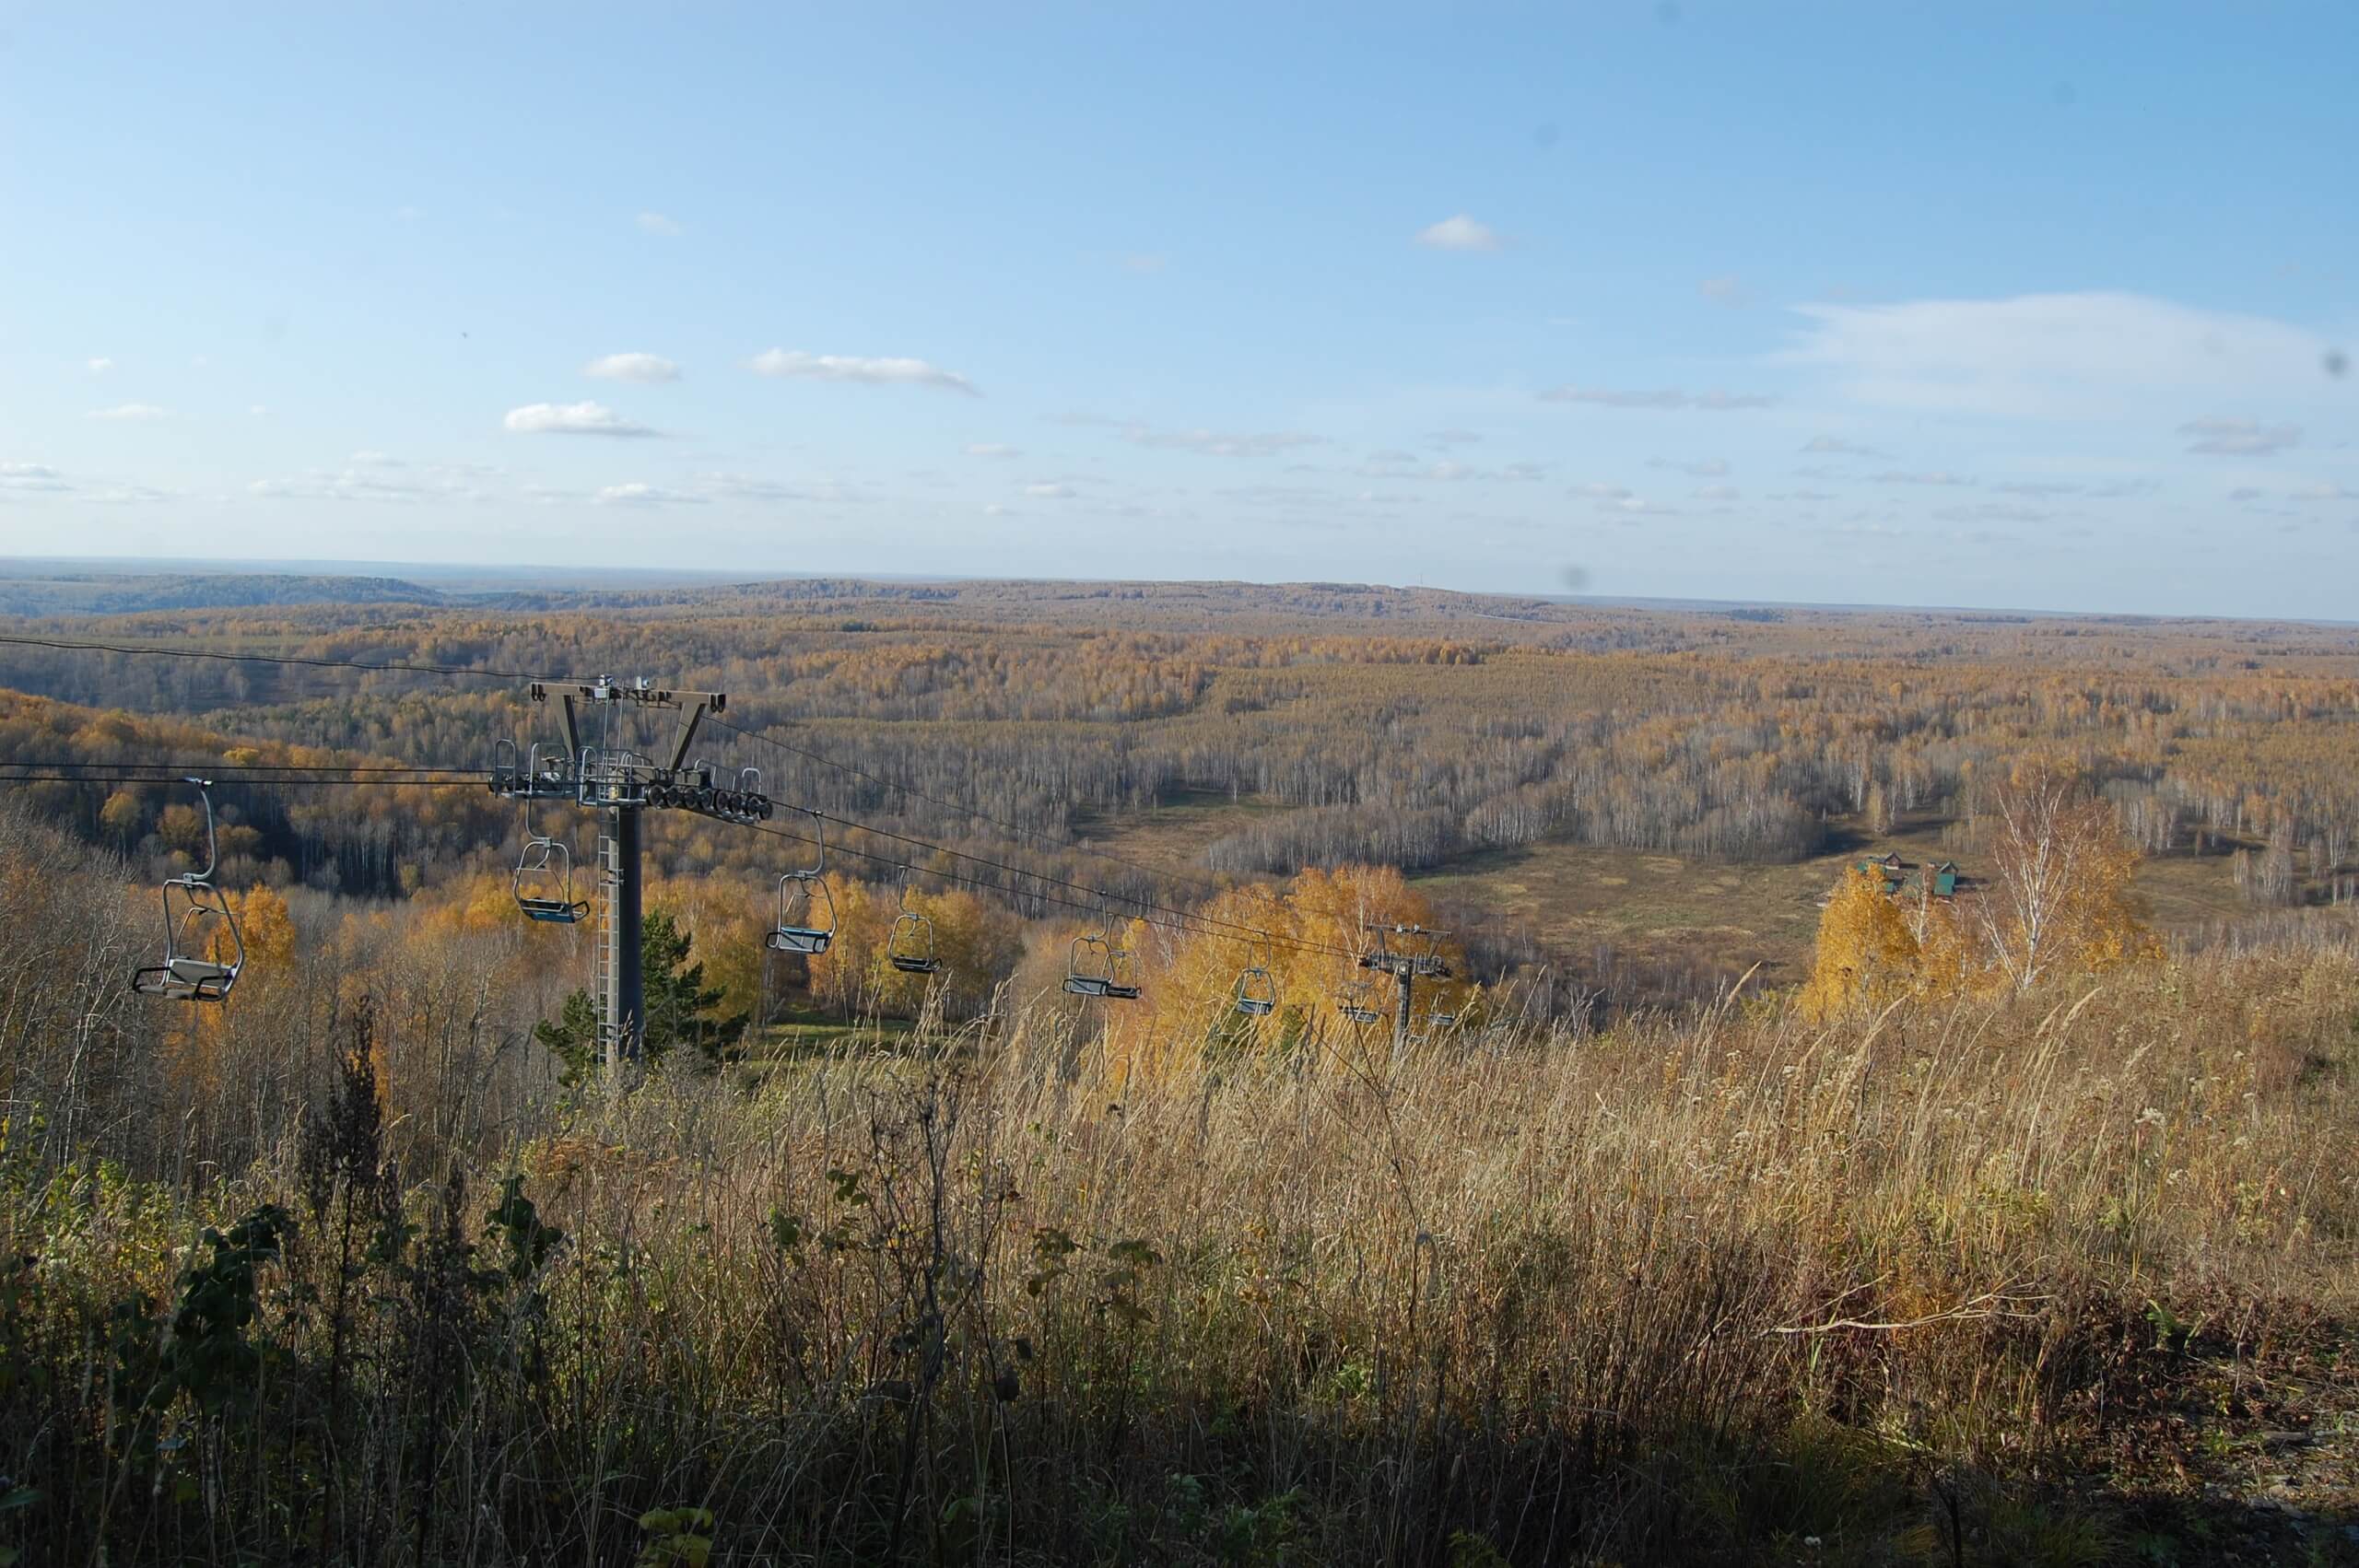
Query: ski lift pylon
x=198, y=924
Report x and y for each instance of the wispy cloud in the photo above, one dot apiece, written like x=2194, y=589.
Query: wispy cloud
x=1932, y=476
x=1051, y=490
x=1453, y=438
x=572, y=419
x=1142, y=262
x=1219, y=443
x=375, y=476
x=1993, y=511
x=992, y=449
x=1837, y=446
x=1393, y=463
x=130, y=411
x=866, y=370
x=100, y=366
x=1697, y=468
x=1713, y=402
x=647, y=368
x=1459, y=233
x=25, y=477
x=1716, y=492
x=2239, y=438
x=1724, y=290
x=637, y=494
x=2083, y=355
x=656, y=223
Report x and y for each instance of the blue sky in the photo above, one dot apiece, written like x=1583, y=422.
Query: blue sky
x=2034, y=306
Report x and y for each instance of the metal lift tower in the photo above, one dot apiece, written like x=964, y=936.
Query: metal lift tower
x=604, y=775
x=1406, y=967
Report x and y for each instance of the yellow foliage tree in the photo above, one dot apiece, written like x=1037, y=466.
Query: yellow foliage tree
x=1865, y=954
x=2059, y=892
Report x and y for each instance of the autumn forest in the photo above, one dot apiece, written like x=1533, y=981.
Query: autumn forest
x=1608, y=1081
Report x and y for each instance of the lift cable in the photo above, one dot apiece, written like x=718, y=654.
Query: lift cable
x=219, y=778
x=1101, y=897
x=463, y=670
x=1177, y=921
x=217, y=765
x=1102, y=894
x=1185, y=922
x=1015, y=828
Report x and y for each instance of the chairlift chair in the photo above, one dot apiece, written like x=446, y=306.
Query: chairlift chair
x=197, y=920
x=544, y=884
x=1098, y=968
x=909, y=947
x=807, y=911
x=1256, y=993
x=1353, y=1005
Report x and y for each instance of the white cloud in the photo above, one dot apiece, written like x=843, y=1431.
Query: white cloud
x=656, y=223
x=2325, y=492
x=1602, y=492
x=748, y=487
x=27, y=476
x=374, y=477
x=994, y=509
x=1218, y=443
x=1724, y=290
x=1051, y=491
x=647, y=368
x=100, y=366
x=132, y=411
x=1391, y=463
x=1698, y=468
x=2239, y=438
x=258, y=410
x=1454, y=438
x=572, y=419
x=639, y=495
x=2047, y=354
x=991, y=448
x=1836, y=444
x=1661, y=398
x=1716, y=492
x=1459, y=233
x=871, y=371
x=1993, y=511
x=1937, y=476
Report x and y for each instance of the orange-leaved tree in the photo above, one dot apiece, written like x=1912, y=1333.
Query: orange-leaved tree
x=1866, y=953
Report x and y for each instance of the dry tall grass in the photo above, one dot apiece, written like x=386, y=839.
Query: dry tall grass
x=1692, y=1289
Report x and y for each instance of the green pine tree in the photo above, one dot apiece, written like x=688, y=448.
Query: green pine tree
x=680, y=1009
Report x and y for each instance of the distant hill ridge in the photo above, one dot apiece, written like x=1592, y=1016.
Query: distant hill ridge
x=99, y=594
